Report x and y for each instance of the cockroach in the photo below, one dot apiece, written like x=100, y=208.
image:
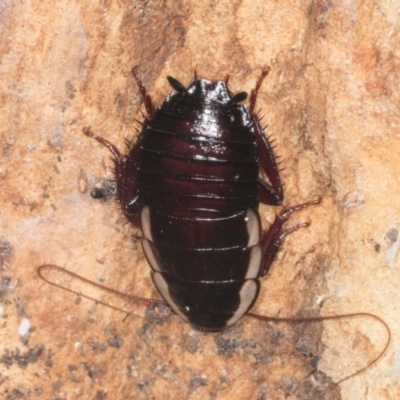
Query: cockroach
x=191, y=181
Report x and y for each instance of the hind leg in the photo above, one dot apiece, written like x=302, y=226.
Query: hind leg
x=273, y=237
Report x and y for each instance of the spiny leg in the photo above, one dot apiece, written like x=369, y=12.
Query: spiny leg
x=273, y=237
x=272, y=193
x=125, y=173
x=117, y=157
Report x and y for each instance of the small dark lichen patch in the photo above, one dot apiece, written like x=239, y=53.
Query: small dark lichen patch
x=276, y=337
x=49, y=359
x=158, y=368
x=57, y=384
x=223, y=383
x=319, y=386
x=156, y=314
x=314, y=362
x=72, y=368
x=142, y=386
x=6, y=251
x=4, y=285
x=231, y=342
x=70, y=90
x=92, y=371
x=196, y=382
x=96, y=346
x=228, y=342
x=19, y=393
x=31, y=356
x=134, y=362
x=114, y=339
x=21, y=307
x=176, y=370
x=191, y=342
x=392, y=234
x=307, y=347
x=290, y=384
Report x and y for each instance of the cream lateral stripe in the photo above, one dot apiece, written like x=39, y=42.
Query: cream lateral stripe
x=247, y=294
x=151, y=257
x=145, y=223
x=162, y=287
x=253, y=228
x=253, y=269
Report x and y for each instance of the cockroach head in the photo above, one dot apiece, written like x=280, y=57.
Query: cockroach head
x=210, y=91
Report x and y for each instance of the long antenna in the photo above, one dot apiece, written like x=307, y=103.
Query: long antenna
x=332, y=317
x=53, y=267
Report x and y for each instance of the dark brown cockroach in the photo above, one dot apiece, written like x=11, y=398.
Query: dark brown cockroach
x=192, y=182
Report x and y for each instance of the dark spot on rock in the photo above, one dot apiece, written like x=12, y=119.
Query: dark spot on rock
x=314, y=362
x=196, y=382
x=18, y=393
x=6, y=251
x=4, y=284
x=96, y=346
x=231, y=342
x=392, y=234
x=22, y=359
x=226, y=344
x=156, y=314
x=290, y=384
x=57, y=384
x=33, y=206
x=190, y=342
x=72, y=368
x=69, y=90
x=49, y=359
x=158, y=368
x=276, y=338
x=114, y=339
x=307, y=347
x=21, y=307
x=318, y=386
x=92, y=371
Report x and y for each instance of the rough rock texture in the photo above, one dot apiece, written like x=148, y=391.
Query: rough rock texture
x=332, y=104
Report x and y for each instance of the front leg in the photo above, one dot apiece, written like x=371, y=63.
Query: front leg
x=126, y=168
x=273, y=237
x=126, y=171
